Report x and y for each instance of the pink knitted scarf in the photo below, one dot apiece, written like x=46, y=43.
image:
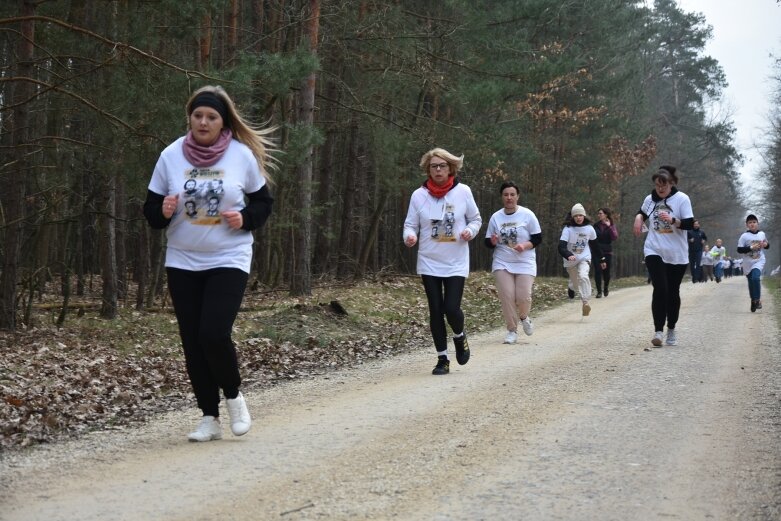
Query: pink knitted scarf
x=205, y=156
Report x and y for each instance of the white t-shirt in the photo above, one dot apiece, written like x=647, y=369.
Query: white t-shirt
x=512, y=229
x=438, y=223
x=577, y=238
x=754, y=258
x=718, y=254
x=198, y=238
x=665, y=239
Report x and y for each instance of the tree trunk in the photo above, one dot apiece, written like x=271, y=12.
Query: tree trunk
x=324, y=193
x=371, y=236
x=120, y=220
x=13, y=197
x=345, y=261
x=109, y=250
x=142, y=266
x=301, y=283
x=233, y=29
x=205, y=43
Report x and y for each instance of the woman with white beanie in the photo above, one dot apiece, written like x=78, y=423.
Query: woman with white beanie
x=578, y=239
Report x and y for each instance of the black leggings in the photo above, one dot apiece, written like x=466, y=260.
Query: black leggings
x=206, y=304
x=444, y=300
x=666, y=300
x=603, y=275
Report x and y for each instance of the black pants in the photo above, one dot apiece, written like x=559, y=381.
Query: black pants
x=444, y=301
x=603, y=276
x=206, y=304
x=695, y=265
x=666, y=299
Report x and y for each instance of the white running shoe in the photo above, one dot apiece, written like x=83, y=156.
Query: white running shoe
x=239, y=415
x=672, y=338
x=209, y=429
x=511, y=337
x=528, y=327
x=586, y=309
x=657, y=339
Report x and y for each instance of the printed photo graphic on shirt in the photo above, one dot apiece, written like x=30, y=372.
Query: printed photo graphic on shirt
x=659, y=225
x=579, y=246
x=203, y=192
x=508, y=234
x=443, y=230
x=755, y=254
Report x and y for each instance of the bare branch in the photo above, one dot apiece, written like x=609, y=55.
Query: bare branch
x=113, y=44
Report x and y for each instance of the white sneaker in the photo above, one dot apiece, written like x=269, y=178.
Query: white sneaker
x=657, y=339
x=586, y=309
x=511, y=337
x=209, y=429
x=239, y=415
x=528, y=327
x=672, y=338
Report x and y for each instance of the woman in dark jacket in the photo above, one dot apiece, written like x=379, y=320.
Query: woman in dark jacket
x=606, y=234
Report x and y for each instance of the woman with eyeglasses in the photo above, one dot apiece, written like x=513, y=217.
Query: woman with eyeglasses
x=442, y=218
x=669, y=214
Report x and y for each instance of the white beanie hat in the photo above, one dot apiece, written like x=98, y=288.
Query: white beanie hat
x=578, y=210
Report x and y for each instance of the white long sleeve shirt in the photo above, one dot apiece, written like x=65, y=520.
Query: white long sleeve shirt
x=198, y=236
x=437, y=224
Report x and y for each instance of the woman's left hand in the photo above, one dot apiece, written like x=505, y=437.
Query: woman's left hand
x=233, y=218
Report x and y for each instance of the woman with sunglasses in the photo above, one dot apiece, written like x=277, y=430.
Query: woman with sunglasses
x=669, y=214
x=442, y=218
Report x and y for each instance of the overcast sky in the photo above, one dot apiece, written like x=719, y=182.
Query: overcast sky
x=746, y=38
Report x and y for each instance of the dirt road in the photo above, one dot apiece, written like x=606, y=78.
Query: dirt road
x=583, y=420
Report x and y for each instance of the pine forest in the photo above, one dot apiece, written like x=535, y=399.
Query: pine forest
x=576, y=101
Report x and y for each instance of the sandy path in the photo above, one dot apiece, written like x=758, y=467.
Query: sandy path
x=580, y=421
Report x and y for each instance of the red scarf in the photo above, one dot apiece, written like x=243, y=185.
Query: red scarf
x=205, y=156
x=439, y=191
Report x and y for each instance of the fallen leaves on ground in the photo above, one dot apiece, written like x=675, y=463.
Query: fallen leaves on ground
x=95, y=374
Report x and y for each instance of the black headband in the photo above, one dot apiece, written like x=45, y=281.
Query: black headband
x=210, y=99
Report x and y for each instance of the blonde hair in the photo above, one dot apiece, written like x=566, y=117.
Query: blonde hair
x=254, y=136
x=455, y=162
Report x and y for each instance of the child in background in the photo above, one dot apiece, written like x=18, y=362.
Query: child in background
x=707, y=264
x=577, y=240
x=751, y=245
x=718, y=252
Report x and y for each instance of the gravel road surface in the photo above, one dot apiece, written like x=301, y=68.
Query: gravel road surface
x=584, y=420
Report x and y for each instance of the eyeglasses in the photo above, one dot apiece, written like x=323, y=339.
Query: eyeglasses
x=438, y=166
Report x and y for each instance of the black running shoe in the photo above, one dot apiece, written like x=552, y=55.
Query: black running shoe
x=571, y=293
x=759, y=304
x=442, y=367
x=753, y=305
x=462, y=349
x=607, y=291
